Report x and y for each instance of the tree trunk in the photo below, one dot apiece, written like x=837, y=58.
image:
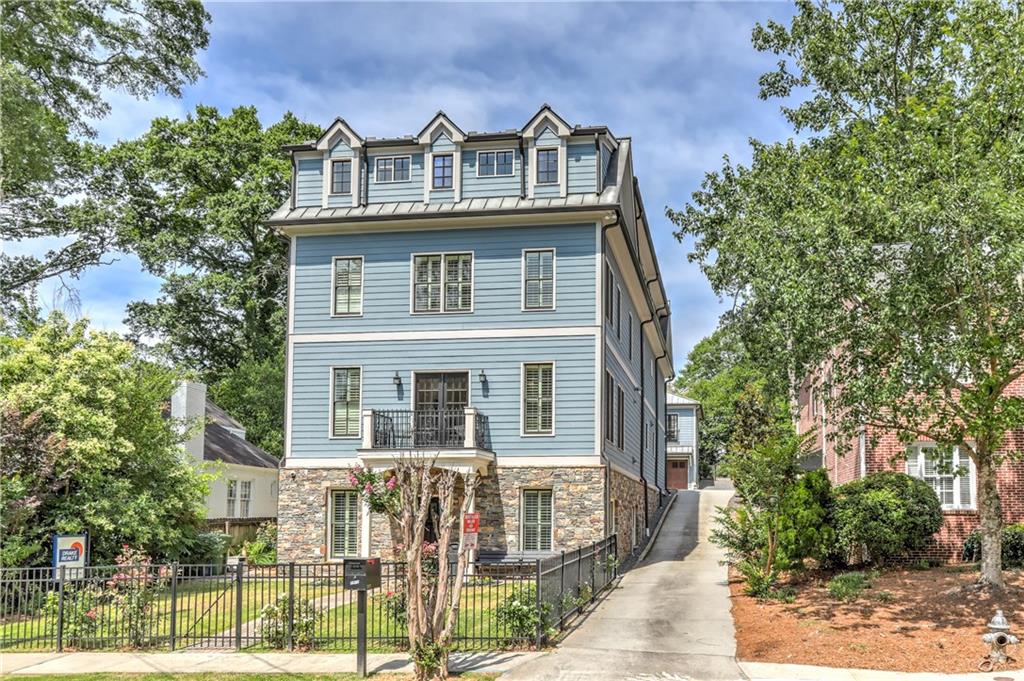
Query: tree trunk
x=990, y=512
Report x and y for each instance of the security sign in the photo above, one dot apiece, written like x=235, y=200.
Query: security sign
x=471, y=523
x=71, y=551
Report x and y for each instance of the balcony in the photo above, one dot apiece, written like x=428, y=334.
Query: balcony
x=454, y=438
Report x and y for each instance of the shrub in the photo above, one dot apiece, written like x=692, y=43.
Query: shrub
x=517, y=612
x=262, y=549
x=208, y=548
x=1013, y=546
x=274, y=623
x=394, y=605
x=885, y=515
x=848, y=586
x=807, y=527
x=82, y=614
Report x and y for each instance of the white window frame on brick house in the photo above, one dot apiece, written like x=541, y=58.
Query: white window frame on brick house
x=924, y=467
x=539, y=548
x=352, y=542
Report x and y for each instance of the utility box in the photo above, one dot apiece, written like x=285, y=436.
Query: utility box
x=361, y=574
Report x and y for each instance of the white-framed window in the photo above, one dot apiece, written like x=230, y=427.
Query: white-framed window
x=537, y=519
x=620, y=426
x=609, y=407
x=442, y=282
x=950, y=474
x=547, y=166
x=232, y=497
x=348, y=286
x=538, y=398
x=444, y=171
x=539, y=279
x=495, y=163
x=672, y=427
x=341, y=177
x=609, y=292
x=392, y=168
x=344, y=521
x=244, y=498
x=629, y=333
x=346, y=396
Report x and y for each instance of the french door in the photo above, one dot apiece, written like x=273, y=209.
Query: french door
x=441, y=399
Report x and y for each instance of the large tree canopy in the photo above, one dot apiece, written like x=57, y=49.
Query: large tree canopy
x=196, y=194
x=58, y=57
x=87, y=447
x=889, y=245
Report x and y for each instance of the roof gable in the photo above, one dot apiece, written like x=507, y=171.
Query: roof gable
x=546, y=118
x=338, y=129
x=440, y=124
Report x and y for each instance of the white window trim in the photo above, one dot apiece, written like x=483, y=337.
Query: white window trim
x=249, y=500
x=351, y=177
x=444, y=268
x=522, y=518
x=558, y=166
x=230, y=502
x=330, y=404
x=362, y=287
x=522, y=398
x=330, y=558
x=554, y=280
x=919, y=447
x=495, y=151
x=377, y=159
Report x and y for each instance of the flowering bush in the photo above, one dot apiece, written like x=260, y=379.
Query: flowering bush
x=274, y=623
x=394, y=605
x=380, y=490
x=134, y=585
x=82, y=615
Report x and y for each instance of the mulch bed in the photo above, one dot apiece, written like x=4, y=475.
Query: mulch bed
x=910, y=620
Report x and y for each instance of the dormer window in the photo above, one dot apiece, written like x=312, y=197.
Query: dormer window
x=547, y=166
x=341, y=177
x=494, y=164
x=392, y=169
x=443, y=171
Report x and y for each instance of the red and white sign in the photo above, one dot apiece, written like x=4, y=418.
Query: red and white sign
x=471, y=523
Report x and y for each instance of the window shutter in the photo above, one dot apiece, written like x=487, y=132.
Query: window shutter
x=346, y=402
x=966, y=480
x=544, y=519
x=344, y=522
x=348, y=286
x=530, y=513
x=913, y=467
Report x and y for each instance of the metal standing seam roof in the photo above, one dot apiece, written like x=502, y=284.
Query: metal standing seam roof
x=675, y=399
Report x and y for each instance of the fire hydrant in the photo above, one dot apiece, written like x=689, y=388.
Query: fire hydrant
x=997, y=638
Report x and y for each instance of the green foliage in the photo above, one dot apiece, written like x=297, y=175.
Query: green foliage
x=59, y=58
x=262, y=549
x=274, y=623
x=517, y=613
x=120, y=473
x=395, y=605
x=885, y=515
x=379, y=489
x=886, y=243
x=252, y=391
x=1012, y=549
x=133, y=589
x=82, y=614
x=206, y=548
x=848, y=586
x=807, y=528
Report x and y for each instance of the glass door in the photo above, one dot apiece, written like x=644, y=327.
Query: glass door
x=441, y=399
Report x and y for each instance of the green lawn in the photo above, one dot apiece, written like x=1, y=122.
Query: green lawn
x=387, y=676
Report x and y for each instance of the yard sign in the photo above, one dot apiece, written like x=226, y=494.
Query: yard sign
x=71, y=551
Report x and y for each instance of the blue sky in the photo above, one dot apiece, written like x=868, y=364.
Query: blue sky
x=680, y=79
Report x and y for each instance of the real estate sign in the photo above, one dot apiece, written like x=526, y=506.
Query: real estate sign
x=72, y=552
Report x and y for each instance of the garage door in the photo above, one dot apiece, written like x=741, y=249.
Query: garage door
x=678, y=474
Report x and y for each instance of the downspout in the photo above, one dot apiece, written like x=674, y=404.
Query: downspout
x=522, y=178
x=295, y=171
x=364, y=197
x=604, y=389
x=597, y=164
x=643, y=424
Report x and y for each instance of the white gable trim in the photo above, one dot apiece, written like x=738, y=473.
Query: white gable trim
x=441, y=123
x=546, y=118
x=338, y=129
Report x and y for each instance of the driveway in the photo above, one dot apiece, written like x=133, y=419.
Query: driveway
x=669, y=617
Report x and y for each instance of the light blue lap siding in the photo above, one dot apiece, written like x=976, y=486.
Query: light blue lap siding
x=687, y=421
x=474, y=187
x=309, y=179
x=582, y=177
x=499, y=401
x=497, y=273
x=397, y=191
x=442, y=144
x=628, y=457
x=547, y=138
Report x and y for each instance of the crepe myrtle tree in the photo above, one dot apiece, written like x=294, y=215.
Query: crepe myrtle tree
x=883, y=253
x=433, y=594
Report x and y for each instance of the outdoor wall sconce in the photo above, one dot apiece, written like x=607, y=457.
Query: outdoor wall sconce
x=397, y=380
x=483, y=377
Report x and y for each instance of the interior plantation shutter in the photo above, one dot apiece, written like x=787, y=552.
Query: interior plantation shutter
x=965, y=480
x=530, y=525
x=346, y=402
x=348, y=286
x=544, y=519
x=427, y=293
x=539, y=279
x=344, y=522
x=458, y=282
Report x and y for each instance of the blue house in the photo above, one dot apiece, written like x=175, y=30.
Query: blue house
x=491, y=298
x=682, y=441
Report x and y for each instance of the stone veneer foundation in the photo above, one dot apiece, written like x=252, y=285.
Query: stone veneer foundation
x=628, y=495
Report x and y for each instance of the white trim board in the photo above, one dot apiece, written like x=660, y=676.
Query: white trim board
x=446, y=334
x=580, y=460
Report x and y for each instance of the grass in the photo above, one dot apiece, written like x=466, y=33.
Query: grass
x=386, y=676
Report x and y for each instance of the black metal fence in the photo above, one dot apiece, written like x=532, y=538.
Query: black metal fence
x=288, y=606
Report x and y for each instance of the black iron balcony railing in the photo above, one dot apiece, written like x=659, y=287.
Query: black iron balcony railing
x=426, y=428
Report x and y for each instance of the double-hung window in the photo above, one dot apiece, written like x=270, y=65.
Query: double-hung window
x=346, y=395
x=341, y=177
x=547, y=166
x=620, y=426
x=232, y=496
x=950, y=474
x=629, y=334
x=392, y=169
x=344, y=516
x=609, y=407
x=494, y=163
x=244, y=498
x=443, y=171
x=538, y=399
x=537, y=516
x=539, y=279
x=348, y=286
x=672, y=428
x=609, y=290
x=443, y=282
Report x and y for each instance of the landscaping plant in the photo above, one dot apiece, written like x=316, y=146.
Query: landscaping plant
x=517, y=613
x=848, y=586
x=273, y=625
x=885, y=515
x=1013, y=546
x=262, y=549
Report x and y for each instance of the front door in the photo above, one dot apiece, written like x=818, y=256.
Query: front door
x=678, y=473
x=441, y=400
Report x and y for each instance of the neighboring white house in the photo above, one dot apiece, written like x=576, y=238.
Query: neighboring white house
x=247, y=484
x=682, y=439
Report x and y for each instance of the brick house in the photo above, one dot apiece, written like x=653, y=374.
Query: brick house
x=877, y=450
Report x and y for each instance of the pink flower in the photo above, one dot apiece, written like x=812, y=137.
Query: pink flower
x=91, y=614
x=353, y=480
x=391, y=483
x=368, y=488
x=357, y=468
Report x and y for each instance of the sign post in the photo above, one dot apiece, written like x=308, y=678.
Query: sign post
x=361, y=574
x=71, y=552
x=471, y=536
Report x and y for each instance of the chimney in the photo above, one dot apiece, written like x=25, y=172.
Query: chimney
x=188, y=408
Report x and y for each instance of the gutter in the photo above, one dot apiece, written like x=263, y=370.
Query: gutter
x=364, y=198
x=597, y=164
x=522, y=169
x=295, y=175
x=604, y=390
